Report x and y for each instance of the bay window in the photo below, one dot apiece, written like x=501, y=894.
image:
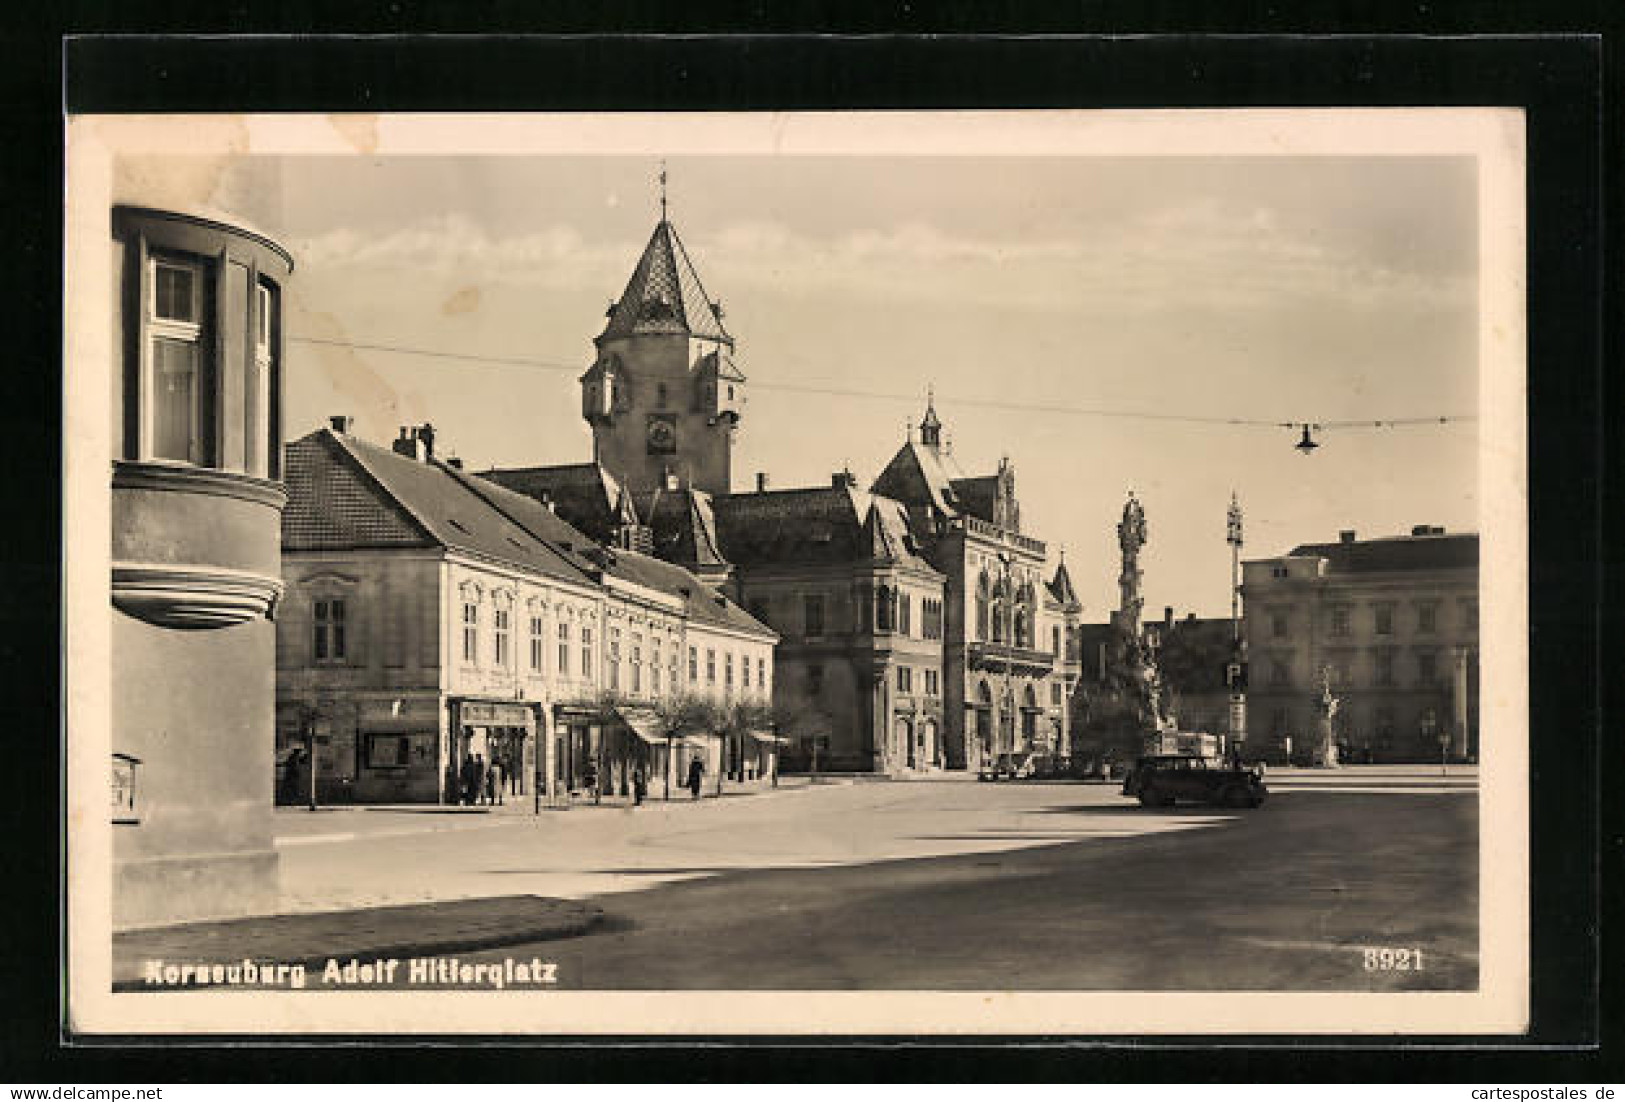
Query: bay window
x=199, y=318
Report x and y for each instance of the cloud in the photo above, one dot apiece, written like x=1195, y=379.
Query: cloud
x=1202, y=255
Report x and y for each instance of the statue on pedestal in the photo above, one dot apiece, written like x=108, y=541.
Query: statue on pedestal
x=1325, y=708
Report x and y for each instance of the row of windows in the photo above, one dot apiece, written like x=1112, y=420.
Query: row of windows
x=1382, y=725
x=502, y=647
x=890, y=610
x=1427, y=672
x=1340, y=622
x=931, y=683
x=659, y=665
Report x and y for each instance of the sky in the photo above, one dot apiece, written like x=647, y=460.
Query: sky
x=1025, y=291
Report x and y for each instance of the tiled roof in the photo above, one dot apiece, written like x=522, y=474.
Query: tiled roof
x=567, y=541
x=665, y=295
x=431, y=500
x=817, y=526
x=1441, y=551
x=705, y=604
x=336, y=506
x=684, y=526
x=976, y=495
x=1061, y=589
x=923, y=475
x=585, y=494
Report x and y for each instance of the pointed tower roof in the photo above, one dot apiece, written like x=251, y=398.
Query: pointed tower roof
x=1061, y=586
x=665, y=295
x=625, y=512
x=930, y=427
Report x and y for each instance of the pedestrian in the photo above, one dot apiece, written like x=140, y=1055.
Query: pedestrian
x=478, y=778
x=640, y=786
x=466, y=782
x=493, y=782
x=696, y=773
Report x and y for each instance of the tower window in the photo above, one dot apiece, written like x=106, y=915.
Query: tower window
x=175, y=357
x=203, y=331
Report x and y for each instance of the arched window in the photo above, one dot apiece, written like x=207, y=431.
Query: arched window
x=885, y=607
x=982, y=603
x=1001, y=611
x=1023, y=632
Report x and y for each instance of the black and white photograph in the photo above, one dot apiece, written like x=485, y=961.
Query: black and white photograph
x=928, y=572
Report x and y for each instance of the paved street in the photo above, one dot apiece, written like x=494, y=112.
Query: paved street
x=954, y=885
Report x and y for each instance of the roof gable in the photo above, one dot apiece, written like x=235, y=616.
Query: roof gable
x=334, y=504
x=441, y=504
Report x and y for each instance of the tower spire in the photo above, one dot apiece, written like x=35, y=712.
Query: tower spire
x=930, y=426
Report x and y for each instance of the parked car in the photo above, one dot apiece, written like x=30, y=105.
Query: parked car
x=1007, y=767
x=1164, y=779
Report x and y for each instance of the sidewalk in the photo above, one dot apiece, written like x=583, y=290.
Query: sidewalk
x=313, y=939
x=299, y=826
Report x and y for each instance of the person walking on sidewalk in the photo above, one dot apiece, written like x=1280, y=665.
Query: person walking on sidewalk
x=640, y=786
x=465, y=794
x=478, y=789
x=696, y=773
x=493, y=782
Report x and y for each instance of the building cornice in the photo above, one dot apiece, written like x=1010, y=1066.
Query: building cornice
x=189, y=596
x=183, y=478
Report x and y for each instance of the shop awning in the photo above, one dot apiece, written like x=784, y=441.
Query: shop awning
x=644, y=723
x=766, y=736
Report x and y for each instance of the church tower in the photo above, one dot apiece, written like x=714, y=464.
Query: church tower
x=663, y=396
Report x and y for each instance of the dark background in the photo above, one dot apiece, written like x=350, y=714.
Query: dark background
x=1553, y=59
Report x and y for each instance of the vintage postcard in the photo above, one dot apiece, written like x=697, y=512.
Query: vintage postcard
x=933, y=573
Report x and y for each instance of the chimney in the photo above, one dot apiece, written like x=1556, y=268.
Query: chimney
x=342, y=422
x=842, y=479
x=1346, y=536
x=1168, y=617
x=1421, y=530
x=761, y=482
x=426, y=434
x=454, y=462
x=406, y=443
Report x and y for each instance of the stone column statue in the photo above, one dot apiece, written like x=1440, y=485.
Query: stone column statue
x=1325, y=708
x=1131, y=536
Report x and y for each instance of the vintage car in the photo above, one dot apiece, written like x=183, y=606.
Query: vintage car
x=1013, y=767
x=1162, y=780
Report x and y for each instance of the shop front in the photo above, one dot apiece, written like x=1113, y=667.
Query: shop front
x=495, y=732
x=761, y=762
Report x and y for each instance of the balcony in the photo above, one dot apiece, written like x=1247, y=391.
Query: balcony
x=997, y=656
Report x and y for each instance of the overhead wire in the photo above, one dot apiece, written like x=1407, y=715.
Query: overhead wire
x=986, y=403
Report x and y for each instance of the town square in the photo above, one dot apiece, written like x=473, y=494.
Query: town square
x=748, y=572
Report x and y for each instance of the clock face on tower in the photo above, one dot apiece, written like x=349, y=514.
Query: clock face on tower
x=661, y=434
